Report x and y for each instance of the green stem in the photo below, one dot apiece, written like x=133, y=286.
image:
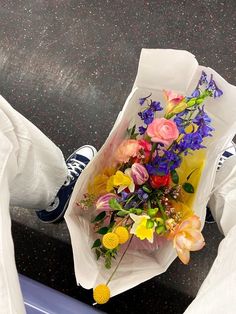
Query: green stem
x=162, y=209
x=130, y=199
x=120, y=260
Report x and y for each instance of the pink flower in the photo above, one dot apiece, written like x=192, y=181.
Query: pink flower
x=175, y=103
x=126, y=150
x=139, y=173
x=172, y=97
x=103, y=202
x=188, y=237
x=163, y=131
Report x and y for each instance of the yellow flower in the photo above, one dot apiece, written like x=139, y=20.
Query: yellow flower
x=110, y=184
x=139, y=227
x=124, y=180
x=110, y=240
x=101, y=294
x=99, y=184
x=123, y=234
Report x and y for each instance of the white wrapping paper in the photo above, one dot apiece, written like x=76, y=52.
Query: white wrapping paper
x=158, y=69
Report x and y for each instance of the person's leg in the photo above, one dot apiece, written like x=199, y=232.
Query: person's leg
x=218, y=291
x=10, y=296
x=32, y=171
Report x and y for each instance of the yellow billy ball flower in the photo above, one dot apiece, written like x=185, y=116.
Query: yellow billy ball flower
x=110, y=240
x=101, y=294
x=122, y=233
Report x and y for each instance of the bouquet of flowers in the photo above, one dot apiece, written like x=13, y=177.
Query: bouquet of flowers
x=141, y=201
x=145, y=193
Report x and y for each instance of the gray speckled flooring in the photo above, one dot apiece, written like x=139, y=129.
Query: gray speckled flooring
x=68, y=66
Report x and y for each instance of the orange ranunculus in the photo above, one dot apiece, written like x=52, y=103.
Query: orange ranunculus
x=187, y=237
x=126, y=150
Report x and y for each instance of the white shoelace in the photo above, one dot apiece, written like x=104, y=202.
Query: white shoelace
x=74, y=167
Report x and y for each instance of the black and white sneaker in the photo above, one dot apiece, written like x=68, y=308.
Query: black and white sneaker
x=228, y=153
x=76, y=164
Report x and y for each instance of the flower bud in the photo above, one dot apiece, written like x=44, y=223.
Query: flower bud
x=103, y=201
x=149, y=224
x=139, y=173
x=160, y=229
x=152, y=212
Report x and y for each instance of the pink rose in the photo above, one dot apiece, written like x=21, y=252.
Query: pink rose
x=126, y=150
x=163, y=131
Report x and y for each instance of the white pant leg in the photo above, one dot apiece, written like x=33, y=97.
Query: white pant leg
x=218, y=291
x=32, y=169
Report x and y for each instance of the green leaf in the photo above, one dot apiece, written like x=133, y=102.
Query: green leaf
x=98, y=253
x=108, y=260
x=188, y=187
x=131, y=132
x=188, y=177
x=146, y=189
x=96, y=243
x=122, y=213
x=100, y=216
x=134, y=136
x=111, y=225
x=102, y=230
x=174, y=176
x=114, y=204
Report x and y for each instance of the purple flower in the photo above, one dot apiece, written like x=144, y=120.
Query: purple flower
x=142, y=195
x=211, y=85
x=203, y=78
x=151, y=169
x=218, y=92
x=142, y=130
x=147, y=116
x=156, y=106
x=191, y=141
x=213, y=88
x=180, y=123
x=203, y=121
x=196, y=93
x=201, y=117
x=142, y=100
x=124, y=196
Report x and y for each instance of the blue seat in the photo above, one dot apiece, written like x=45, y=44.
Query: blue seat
x=40, y=299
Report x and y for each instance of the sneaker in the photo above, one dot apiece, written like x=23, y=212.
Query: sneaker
x=228, y=153
x=76, y=164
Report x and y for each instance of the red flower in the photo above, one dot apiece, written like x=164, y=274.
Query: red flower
x=159, y=181
x=144, y=151
x=146, y=146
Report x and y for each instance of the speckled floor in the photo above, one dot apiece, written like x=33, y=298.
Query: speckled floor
x=68, y=66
